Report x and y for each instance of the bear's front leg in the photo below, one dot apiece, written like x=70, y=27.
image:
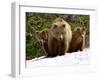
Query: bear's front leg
x=53, y=48
x=62, y=48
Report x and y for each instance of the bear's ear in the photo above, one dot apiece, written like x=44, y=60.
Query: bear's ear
x=55, y=26
x=63, y=25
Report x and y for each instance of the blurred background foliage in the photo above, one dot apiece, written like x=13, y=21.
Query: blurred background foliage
x=39, y=21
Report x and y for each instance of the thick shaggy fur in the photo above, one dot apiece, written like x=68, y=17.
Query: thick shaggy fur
x=78, y=40
x=42, y=36
x=59, y=37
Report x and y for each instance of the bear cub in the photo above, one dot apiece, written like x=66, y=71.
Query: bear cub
x=42, y=36
x=78, y=40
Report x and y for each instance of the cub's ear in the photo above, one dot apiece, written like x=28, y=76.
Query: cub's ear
x=37, y=32
x=78, y=29
x=43, y=32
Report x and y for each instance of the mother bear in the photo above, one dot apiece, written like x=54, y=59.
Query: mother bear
x=59, y=37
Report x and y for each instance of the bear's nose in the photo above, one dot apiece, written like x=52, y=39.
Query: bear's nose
x=61, y=37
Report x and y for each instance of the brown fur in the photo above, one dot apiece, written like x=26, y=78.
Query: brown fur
x=78, y=40
x=42, y=36
x=59, y=37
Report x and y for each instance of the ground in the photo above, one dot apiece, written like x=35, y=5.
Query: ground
x=75, y=58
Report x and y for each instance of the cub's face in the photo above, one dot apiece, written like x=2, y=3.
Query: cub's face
x=42, y=35
x=81, y=31
x=59, y=29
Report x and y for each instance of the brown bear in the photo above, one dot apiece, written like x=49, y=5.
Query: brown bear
x=59, y=37
x=42, y=36
x=78, y=39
